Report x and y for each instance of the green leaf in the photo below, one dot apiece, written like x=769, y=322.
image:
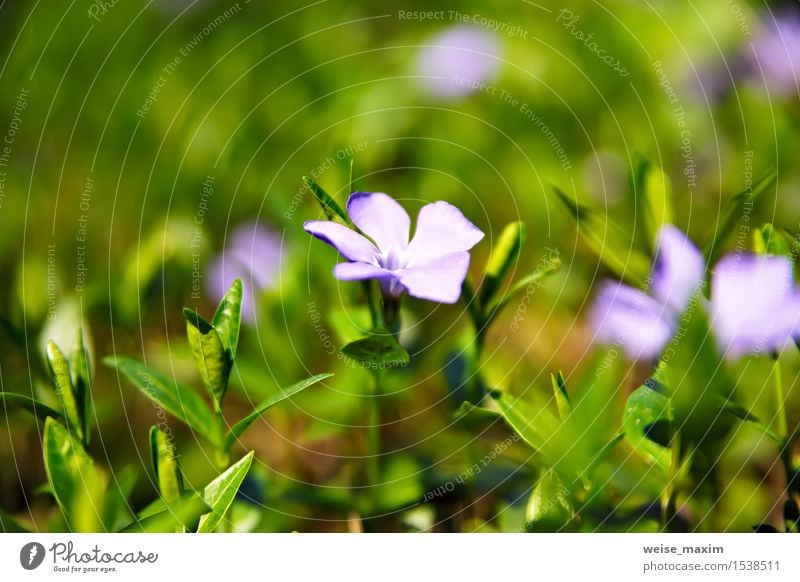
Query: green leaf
x=177, y=399
x=238, y=429
x=768, y=241
x=504, y=254
x=165, y=465
x=328, y=204
x=653, y=193
x=534, y=425
x=81, y=380
x=732, y=212
x=209, y=355
x=62, y=381
x=644, y=408
x=378, y=350
x=743, y=414
x=561, y=394
x=228, y=317
x=549, y=507
x=40, y=410
x=220, y=493
x=181, y=515
x=75, y=482
x=611, y=243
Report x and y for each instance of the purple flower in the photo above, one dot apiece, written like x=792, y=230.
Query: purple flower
x=775, y=54
x=254, y=254
x=642, y=324
x=432, y=266
x=458, y=61
x=755, y=305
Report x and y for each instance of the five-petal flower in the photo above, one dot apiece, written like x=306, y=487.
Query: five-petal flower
x=432, y=265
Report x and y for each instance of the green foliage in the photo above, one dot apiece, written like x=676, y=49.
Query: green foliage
x=211, y=357
x=79, y=488
x=165, y=465
x=40, y=410
x=220, y=493
x=504, y=255
x=653, y=193
x=329, y=206
x=643, y=409
x=227, y=319
x=769, y=241
x=378, y=350
x=72, y=401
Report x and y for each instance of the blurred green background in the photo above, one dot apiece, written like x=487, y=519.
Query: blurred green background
x=116, y=114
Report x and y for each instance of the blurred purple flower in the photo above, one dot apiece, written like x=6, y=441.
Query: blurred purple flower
x=755, y=305
x=458, y=60
x=775, y=54
x=254, y=254
x=642, y=324
x=432, y=266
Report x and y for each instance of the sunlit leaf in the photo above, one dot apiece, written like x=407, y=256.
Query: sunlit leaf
x=228, y=318
x=184, y=514
x=643, y=408
x=62, y=381
x=80, y=373
x=220, y=493
x=769, y=241
x=653, y=193
x=561, y=395
x=75, y=482
x=549, y=507
x=505, y=254
x=210, y=356
x=165, y=464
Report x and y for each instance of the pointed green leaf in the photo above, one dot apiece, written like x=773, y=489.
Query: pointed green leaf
x=378, y=350
x=177, y=399
x=118, y=511
x=732, y=212
x=181, y=515
x=504, y=254
x=238, y=429
x=549, y=507
x=166, y=466
x=768, y=241
x=653, y=193
x=75, y=482
x=534, y=425
x=228, y=317
x=220, y=493
x=39, y=409
x=643, y=408
x=81, y=380
x=60, y=374
x=209, y=355
x=609, y=242
x=561, y=394
x=326, y=201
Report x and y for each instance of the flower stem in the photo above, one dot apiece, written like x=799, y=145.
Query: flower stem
x=373, y=439
x=670, y=494
x=780, y=408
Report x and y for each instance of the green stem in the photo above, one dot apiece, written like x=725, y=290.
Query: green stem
x=373, y=439
x=780, y=408
x=670, y=493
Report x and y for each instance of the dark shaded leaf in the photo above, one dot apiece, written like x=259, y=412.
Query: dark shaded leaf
x=326, y=201
x=40, y=410
x=378, y=350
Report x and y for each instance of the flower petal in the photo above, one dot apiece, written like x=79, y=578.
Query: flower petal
x=624, y=316
x=260, y=250
x=359, y=271
x=678, y=270
x=438, y=280
x=441, y=230
x=754, y=305
x=348, y=242
x=381, y=218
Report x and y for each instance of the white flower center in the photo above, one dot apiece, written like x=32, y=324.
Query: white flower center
x=393, y=259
